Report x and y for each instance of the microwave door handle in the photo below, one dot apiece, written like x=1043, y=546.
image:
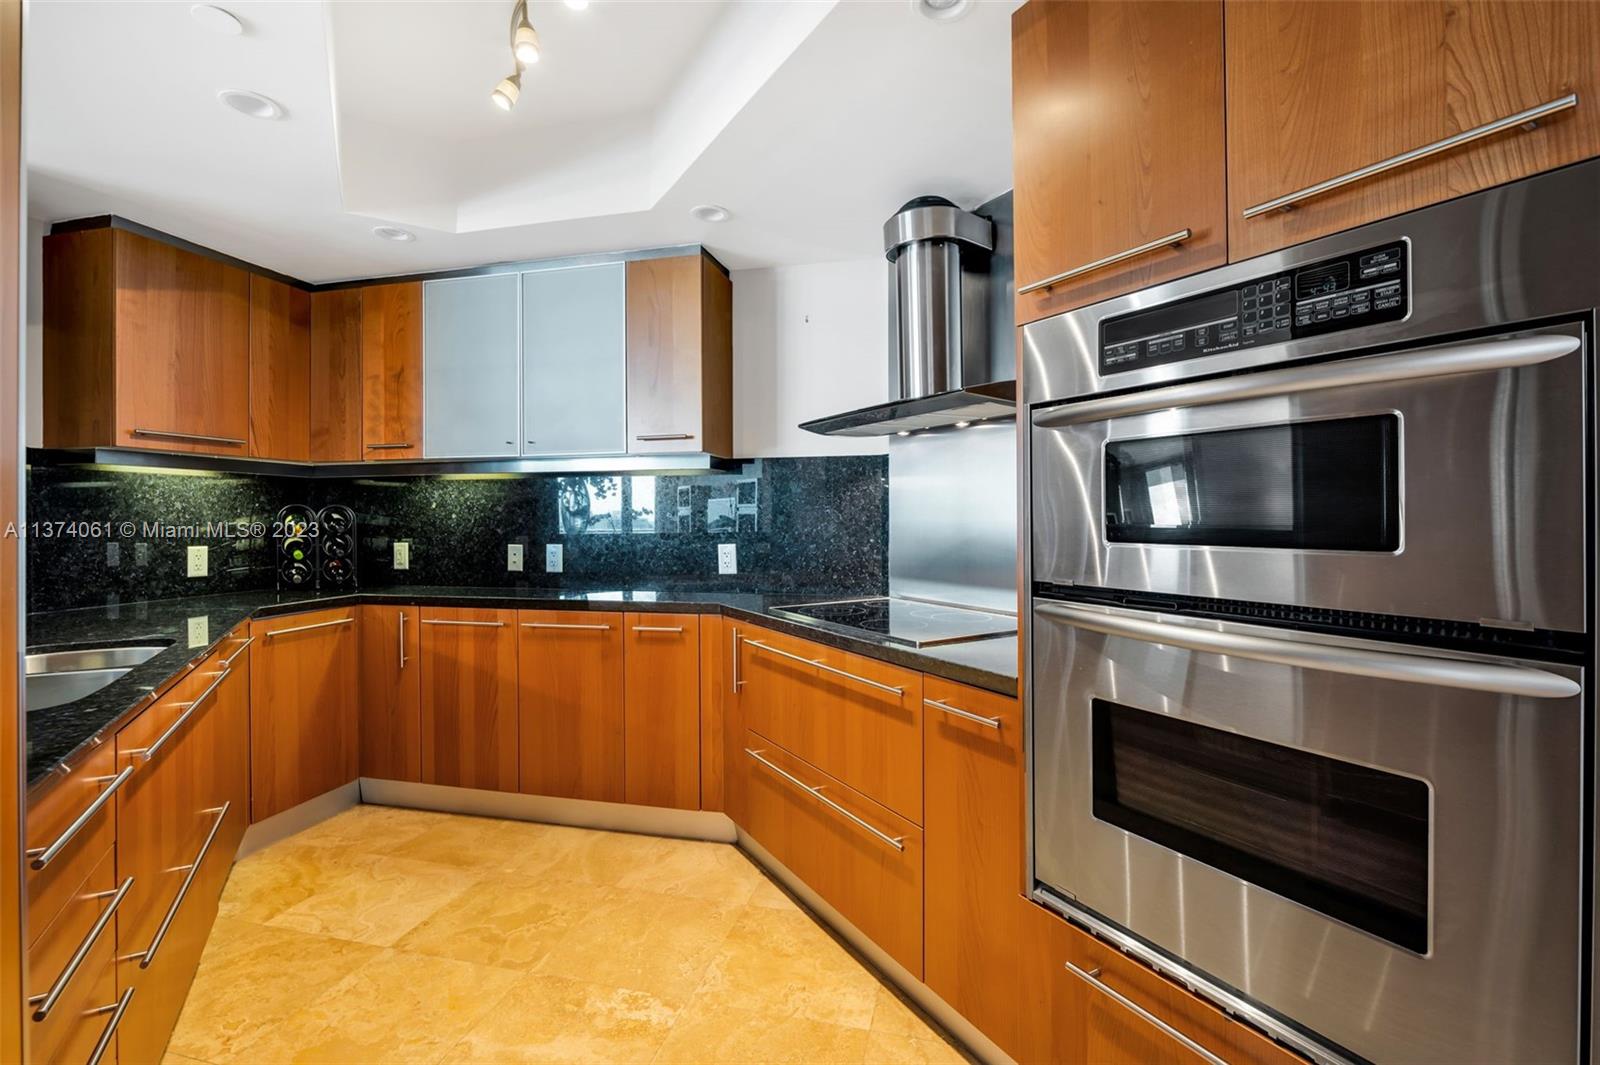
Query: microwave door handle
x=1433, y=670
x=1503, y=354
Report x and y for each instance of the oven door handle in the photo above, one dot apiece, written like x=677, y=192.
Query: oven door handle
x=1434, y=670
x=1506, y=353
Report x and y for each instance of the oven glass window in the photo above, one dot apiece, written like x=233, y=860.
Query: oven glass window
x=1343, y=839
x=1330, y=485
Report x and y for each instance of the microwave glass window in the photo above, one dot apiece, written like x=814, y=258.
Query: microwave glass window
x=1343, y=839
x=1329, y=485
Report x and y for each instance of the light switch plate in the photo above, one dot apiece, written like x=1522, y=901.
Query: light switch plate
x=199, y=631
x=141, y=554
x=199, y=564
x=552, y=558
x=113, y=554
x=727, y=558
x=402, y=554
x=514, y=558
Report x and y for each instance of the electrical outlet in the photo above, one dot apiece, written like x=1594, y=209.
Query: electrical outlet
x=514, y=558
x=727, y=558
x=113, y=554
x=552, y=558
x=141, y=554
x=199, y=631
x=198, y=562
x=402, y=554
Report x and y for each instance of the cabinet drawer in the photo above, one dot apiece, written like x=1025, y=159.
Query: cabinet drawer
x=852, y=717
x=70, y=1020
x=862, y=858
x=51, y=819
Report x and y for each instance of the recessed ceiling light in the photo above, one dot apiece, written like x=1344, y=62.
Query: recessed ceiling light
x=578, y=5
x=710, y=212
x=393, y=233
x=217, y=20
x=942, y=10
x=962, y=425
x=251, y=103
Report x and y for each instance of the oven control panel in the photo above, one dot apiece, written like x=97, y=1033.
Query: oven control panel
x=1323, y=297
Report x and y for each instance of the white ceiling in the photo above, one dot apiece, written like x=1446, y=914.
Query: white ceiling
x=811, y=121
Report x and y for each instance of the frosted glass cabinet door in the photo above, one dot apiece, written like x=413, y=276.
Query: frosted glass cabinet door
x=469, y=367
x=574, y=350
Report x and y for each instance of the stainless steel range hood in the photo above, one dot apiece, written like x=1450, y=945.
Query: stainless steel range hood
x=942, y=289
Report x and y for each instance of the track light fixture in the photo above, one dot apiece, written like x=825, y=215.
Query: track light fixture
x=524, y=53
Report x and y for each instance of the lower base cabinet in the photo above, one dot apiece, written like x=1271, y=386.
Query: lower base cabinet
x=303, y=708
x=570, y=706
x=469, y=698
x=661, y=710
x=390, y=731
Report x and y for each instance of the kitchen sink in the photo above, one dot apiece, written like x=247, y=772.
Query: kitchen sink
x=57, y=677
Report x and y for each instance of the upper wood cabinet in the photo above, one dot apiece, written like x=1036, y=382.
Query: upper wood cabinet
x=335, y=406
x=1117, y=112
x=470, y=356
x=570, y=704
x=303, y=704
x=391, y=693
x=145, y=346
x=280, y=371
x=680, y=356
x=661, y=710
x=469, y=698
x=1318, y=90
x=391, y=371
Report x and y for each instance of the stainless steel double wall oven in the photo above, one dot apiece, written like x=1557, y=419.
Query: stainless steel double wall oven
x=1311, y=575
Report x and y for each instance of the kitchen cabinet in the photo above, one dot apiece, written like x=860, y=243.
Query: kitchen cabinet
x=714, y=646
x=680, y=356
x=470, y=365
x=391, y=371
x=71, y=1025
x=280, y=371
x=469, y=698
x=391, y=693
x=973, y=825
x=574, y=360
x=1118, y=148
x=570, y=704
x=335, y=403
x=1317, y=91
x=661, y=710
x=145, y=346
x=1078, y=1020
x=303, y=708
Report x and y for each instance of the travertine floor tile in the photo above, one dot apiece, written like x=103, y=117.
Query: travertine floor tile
x=892, y=1016
x=504, y=920
x=780, y=964
x=706, y=1033
x=370, y=828
x=479, y=844
x=552, y=1019
x=270, y=881
x=378, y=904
x=712, y=871
x=772, y=897
x=884, y=1048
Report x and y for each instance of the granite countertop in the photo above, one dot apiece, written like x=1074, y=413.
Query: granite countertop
x=193, y=627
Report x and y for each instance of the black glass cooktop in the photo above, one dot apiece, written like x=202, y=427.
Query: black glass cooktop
x=907, y=621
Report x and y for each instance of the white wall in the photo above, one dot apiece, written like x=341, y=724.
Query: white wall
x=33, y=338
x=808, y=341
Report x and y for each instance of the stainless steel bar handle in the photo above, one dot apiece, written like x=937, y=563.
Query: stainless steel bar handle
x=308, y=628
x=402, y=639
x=149, y=953
x=737, y=682
x=43, y=856
x=1092, y=978
x=1171, y=240
x=116, y=1009
x=387, y=447
x=169, y=435
x=658, y=628
x=665, y=436
x=820, y=664
x=968, y=715
x=148, y=753
x=1479, y=357
x=228, y=662
x=43, y=1004
x=1527, y=119
x=562, y=625
x=1434, y=670
x=815, y=791
x=465, y=624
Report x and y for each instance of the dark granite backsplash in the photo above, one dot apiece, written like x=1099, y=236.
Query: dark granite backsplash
x=796, y=523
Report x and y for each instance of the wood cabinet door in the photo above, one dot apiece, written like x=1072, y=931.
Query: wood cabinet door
x=182, y=349
x=661, y=710
x=469, y=698
x=391, y=693
x=303, y=694
x=713, y=712
x=973, y=830
x=336, y=384
x=391, y=371
x=1118, y=142
x=570, y=704
x=1317, y=90
x=679, y=356
x=280, y=371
